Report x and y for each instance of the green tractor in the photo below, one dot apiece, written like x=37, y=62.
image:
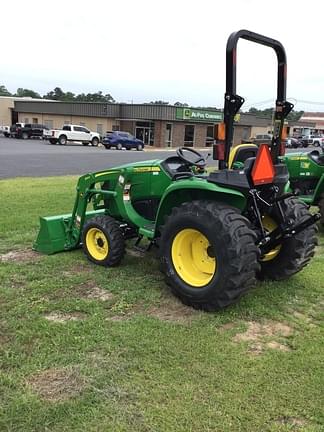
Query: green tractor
x=306, y=173
x=215, y=232
x=306, y=177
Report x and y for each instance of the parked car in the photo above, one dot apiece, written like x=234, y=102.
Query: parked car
x=72, y=133
x=5, y=130
x=30, y=130
x=312, y=140
x=262, y=139
x=120, y=139
x=293, y=142
x=15, y=129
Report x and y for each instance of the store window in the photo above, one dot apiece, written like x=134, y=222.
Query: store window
x=35, y=120
x=99, y=128
x=168, y=135
x=48, y=123
x=209, y=136
x=189, y=135
x=246, y=133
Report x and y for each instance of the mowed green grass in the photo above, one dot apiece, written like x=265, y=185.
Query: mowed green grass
x=135, y=359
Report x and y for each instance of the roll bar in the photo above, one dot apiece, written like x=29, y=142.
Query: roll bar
x=233, y=102
x=262, y=40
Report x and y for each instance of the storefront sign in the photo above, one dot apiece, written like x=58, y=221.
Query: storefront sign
x=198, y=115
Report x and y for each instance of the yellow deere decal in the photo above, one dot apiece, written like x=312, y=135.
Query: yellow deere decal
x=305, y=165
x=146, y=169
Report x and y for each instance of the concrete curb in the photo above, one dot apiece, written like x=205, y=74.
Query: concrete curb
x=173, y=149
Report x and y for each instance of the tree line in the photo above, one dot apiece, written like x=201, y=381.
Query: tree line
x=59, y=95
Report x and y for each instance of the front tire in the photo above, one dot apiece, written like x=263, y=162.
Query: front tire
x=295, y=252
x=139, y=147
x=94, y=142
x=103, y=241
x=208, y=254
x=24, y=135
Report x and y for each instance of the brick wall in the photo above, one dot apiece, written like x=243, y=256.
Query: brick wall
x=178, y=134
x=200, y=135
x=159, y=133
x=127, y=126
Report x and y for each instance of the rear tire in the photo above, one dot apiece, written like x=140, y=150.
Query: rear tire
x=139, y=147
x=296, y=252
x=52, y=141
x=103, y=241
x=321, y=209
x=24, y=135
x=62, y=140
x=221, y=251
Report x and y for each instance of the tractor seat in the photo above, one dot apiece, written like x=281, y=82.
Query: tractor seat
x=174, y=165
x=242, y=152
x=317, y=157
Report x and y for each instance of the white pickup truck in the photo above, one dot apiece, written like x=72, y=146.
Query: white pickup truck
x=72, y=133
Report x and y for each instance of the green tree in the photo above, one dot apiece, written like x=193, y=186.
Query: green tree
x=4, y=91
x=95, y=97
x=159, y=102
x=22, y=92
x=56, y=94
x=268, y=112
x=180, y=104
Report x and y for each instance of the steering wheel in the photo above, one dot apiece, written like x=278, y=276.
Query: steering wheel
x=198, y=161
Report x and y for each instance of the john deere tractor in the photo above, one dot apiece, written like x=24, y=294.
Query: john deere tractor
x=215, y=232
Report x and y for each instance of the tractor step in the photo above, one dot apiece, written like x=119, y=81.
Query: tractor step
x=143, y=249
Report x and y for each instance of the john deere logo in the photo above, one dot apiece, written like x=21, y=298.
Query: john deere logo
x=198, y=115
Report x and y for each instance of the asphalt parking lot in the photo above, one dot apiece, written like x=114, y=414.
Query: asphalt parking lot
x=38, y=158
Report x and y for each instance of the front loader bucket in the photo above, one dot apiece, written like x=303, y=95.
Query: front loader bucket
x=53, y=235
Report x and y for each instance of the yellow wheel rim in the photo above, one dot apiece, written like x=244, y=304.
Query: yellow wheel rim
x=97, y=244
x=193, y=257
x=270, y=225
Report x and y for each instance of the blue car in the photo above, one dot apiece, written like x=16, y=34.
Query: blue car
x=121, y=140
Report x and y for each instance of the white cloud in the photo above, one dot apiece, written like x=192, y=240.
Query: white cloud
x=171, y=50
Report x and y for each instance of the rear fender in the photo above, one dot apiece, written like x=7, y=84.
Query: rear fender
x=196, y=189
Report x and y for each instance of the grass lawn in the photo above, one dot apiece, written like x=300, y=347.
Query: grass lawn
x=84, y=348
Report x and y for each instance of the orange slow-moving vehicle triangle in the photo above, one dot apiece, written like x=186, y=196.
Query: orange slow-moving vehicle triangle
x=263, y=169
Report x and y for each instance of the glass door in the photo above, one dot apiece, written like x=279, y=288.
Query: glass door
x=144, y=134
